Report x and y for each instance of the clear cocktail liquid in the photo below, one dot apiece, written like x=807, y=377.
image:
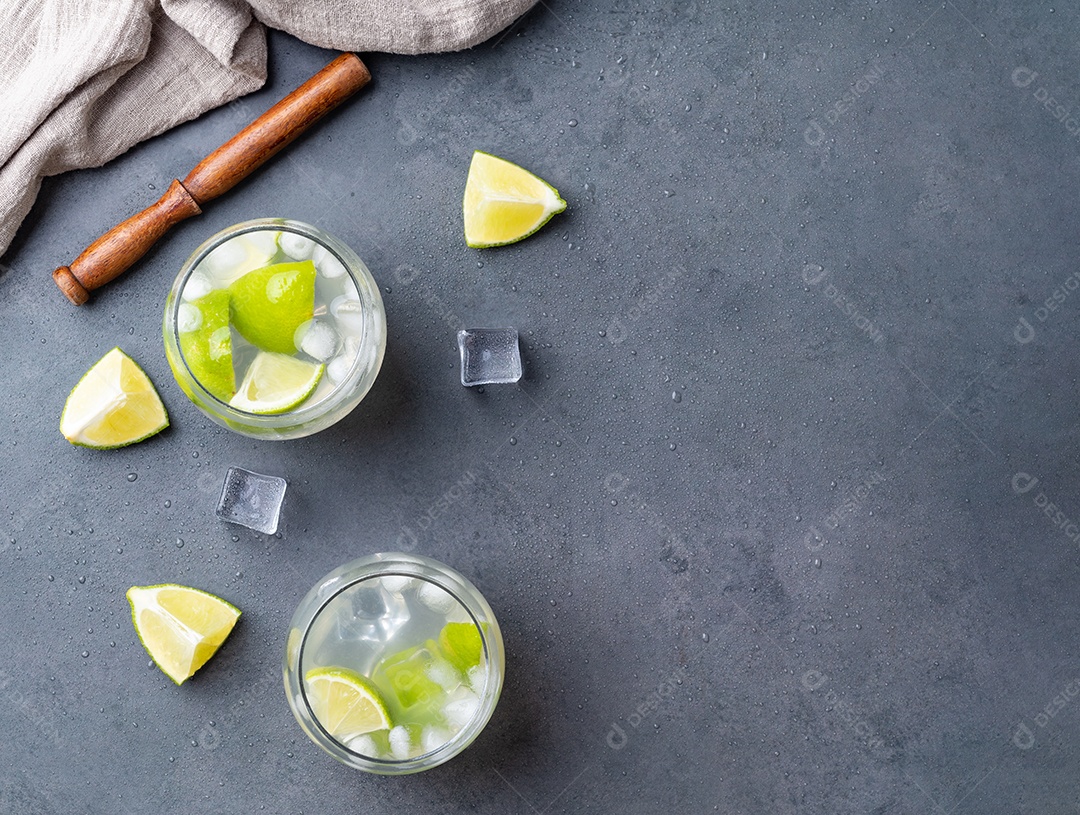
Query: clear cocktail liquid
x=421, y=649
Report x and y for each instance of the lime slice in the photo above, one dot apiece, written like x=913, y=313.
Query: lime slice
x=461, y=645
x=270, y=303
x=113, y=405
x=276, y=383
x=206, y=342
x=345, y=703
x=180, y=627
x=505, y=203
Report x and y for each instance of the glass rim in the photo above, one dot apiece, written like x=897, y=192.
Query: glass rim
x=325, y=592
x=304, y=412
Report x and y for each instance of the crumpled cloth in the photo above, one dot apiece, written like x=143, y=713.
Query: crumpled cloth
x=81, y=81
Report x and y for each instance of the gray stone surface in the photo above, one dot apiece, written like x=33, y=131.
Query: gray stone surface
x=755, y=520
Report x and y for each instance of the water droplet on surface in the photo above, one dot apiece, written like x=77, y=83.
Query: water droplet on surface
x=179, y=543
x=51, y=578
x=704, y=637
x=513, y=440
x=572, y=123
x=85, y=654
x=817, y=563
x=132, y=477
x=676, y=396
x=168, y=504
x=82, y=578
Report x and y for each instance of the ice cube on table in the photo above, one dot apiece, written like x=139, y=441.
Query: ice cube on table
x=252, y=500
x=296, y=246
x=377, y=614
x=436, y=598
x=434, y=737
x=327, y=263
x=317, y=339
x=489, y=356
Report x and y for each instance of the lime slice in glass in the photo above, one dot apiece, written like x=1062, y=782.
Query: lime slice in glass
x=276, y=383
x=461, y=645
x=345, y=703
x=270, y=303
x=206, y=342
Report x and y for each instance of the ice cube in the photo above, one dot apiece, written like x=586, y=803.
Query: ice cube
x=462, y=708
x=436, y=598
x=317, y=339
x=477, y=677
x=296, y=246
x=237, y=256
x=396, y=583
x=252, y=500
x=377, y=614
x=445, y=675
x=401, y=743
x=489, y=356
x=365, y=745
x=327, y=263
x=338, y=369
x=188, y=318
x=434, y=737
x=349, y=313
x=197, y=285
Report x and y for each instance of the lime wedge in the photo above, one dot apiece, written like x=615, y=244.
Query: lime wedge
x=345, y=703
x=270, y=303
x=206, y=342
x=113, y=405
x=461, y=645
x=276, y=383
x=180, y=627
x=505, y=203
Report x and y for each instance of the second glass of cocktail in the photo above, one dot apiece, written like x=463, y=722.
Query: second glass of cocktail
x=394, y=663
x=275, y=329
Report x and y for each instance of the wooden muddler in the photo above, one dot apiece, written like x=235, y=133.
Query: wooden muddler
x=115, y=251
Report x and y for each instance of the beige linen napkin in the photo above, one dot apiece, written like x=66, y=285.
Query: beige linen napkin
x=81, y=81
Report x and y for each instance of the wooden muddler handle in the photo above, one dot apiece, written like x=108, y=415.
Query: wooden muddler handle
x=115, y=251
